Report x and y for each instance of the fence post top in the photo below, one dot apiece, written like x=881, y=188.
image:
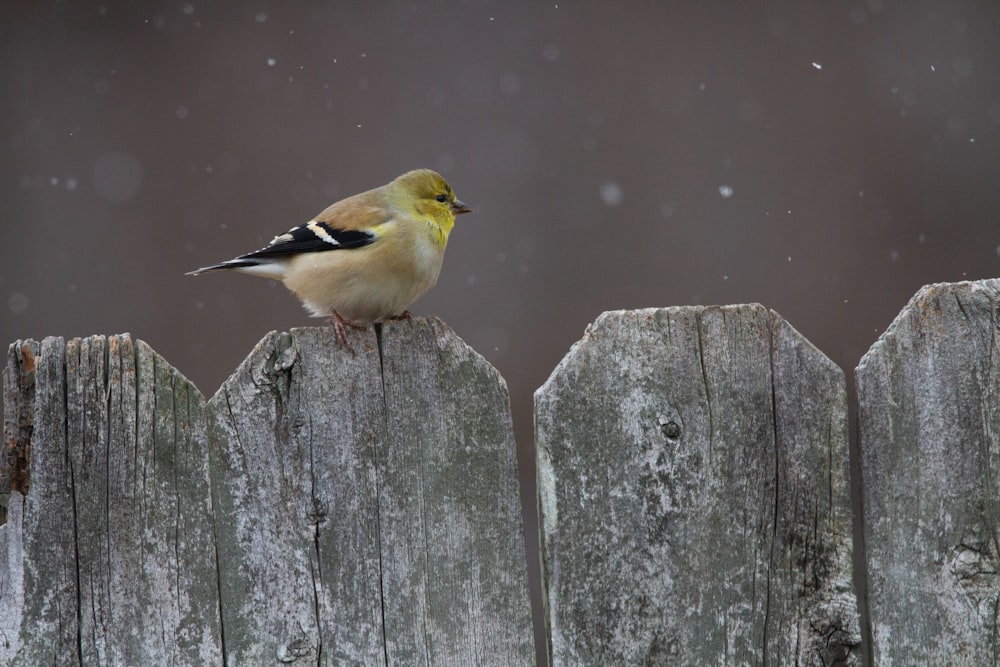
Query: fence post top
x=926, y=302
x=613, y=322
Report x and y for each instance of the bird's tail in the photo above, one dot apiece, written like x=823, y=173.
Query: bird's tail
x=255, y=267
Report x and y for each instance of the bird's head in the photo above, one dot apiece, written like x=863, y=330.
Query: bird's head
x=431, y=196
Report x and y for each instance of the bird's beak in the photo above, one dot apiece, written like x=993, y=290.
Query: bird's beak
x=458, y=207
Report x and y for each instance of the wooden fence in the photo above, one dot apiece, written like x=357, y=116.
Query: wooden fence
x=323, y=508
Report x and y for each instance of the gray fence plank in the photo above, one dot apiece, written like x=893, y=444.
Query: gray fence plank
x=114, y=529
x=692, y=467
x=368, y=494
x=47, y=632
x=454, y=574
x=19, y=401
x=293, y=441
x=929, y=427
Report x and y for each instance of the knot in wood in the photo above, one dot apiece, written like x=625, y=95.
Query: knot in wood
x=671, y=429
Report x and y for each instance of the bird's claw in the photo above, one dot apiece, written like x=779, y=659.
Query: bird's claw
x=340, y=329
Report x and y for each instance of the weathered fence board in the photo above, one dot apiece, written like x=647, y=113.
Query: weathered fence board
x=322, y=508
x=692, y=467
x=293, y=440
x=114, y=559
x=929, y=430
x=449, y=513
x=366, y=493
x=47, y=585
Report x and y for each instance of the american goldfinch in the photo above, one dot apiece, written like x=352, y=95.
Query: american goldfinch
x=365, y=258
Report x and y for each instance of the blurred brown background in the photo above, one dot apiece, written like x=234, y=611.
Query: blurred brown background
x=824, y=159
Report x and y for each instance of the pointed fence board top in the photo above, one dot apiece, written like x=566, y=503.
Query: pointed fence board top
x=692, y=472
x=929, y=432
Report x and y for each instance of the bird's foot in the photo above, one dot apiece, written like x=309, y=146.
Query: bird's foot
x=405, y=315
x=340, y=328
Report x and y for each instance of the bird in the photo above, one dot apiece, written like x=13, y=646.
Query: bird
x=364, y=259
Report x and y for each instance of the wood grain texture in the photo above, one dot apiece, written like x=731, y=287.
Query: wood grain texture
x=322, y=508
x=929, y=430
x=47, y=588
x=293, y=446
x=692, y=467
x=367, y=506
x=114, y=531
x=19, y=414
x=454, y=573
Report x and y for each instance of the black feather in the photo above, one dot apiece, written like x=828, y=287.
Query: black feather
x=303, y=239
x=228, y=264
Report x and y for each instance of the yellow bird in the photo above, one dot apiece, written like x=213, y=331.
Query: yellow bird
x=366, y=258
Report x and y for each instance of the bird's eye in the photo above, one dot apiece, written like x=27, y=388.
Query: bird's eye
x=442, y=198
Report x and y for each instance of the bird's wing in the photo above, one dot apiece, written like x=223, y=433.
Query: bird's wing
x=313, y=236
x=342, y=226
x=350, y=223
